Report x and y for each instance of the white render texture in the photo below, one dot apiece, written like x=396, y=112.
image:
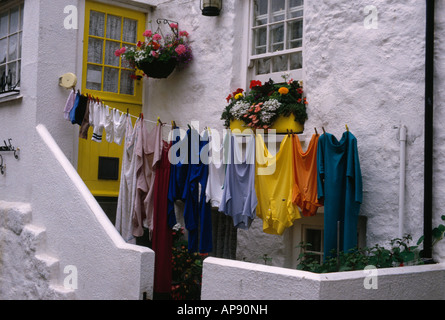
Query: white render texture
x=370, y=79
x=235, y=280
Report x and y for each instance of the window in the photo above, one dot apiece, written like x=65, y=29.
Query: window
x=104, y=71
x=11, y=27
x=276, y=32
x=313, y=235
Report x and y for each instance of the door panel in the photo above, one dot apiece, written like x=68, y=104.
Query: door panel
x=106, y=77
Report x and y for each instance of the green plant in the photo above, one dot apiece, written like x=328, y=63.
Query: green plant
x=186, y=269
x=399, y=253
x=264, y=103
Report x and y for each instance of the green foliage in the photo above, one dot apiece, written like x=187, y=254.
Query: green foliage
x=186, y=268
x=399, y=253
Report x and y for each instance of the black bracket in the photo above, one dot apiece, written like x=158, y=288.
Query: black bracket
x=7, y=148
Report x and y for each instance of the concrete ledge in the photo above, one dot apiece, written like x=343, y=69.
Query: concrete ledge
x=236, y=280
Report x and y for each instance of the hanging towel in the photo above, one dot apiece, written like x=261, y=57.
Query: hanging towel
x=108, y=123
x=127, y=188
x=339, y=185
x=179, y=156
x=148, y=154
x=274, y=184
x=197, y=212
x=162, y=240
x=304, y=193
x=239, y=199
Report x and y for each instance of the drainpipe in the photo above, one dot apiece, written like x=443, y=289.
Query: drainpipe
x=402, y=139
x=429, y=91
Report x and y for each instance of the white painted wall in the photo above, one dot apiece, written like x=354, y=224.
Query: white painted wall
x=370, y=79
x=235, y=280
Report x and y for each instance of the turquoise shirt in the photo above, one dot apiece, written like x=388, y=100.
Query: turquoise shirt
x=339, y=186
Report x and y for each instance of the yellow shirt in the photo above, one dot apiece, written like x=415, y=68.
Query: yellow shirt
x=274, y=182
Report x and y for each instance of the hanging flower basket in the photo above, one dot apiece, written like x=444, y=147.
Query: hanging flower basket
x=157, y=69
x=159, y=55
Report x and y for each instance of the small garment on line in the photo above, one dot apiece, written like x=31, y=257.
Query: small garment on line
x=83, y=130
x=274, y=184
x=127, y=188
x=72, y=113
x=304, y=193
x=79, y=111
x=217, y=169
x=119, y=126
x=97, y=121
x=69, y=104
x=148, y=154
x=108, y=123
x=239, y=199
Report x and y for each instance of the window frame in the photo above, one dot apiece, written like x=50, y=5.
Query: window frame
x=14, y=89
x=296, y=74
x=109, y=9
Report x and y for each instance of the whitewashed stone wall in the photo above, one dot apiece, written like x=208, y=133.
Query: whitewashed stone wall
x=370, y=79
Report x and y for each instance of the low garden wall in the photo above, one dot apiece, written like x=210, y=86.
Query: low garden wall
x=236, y=280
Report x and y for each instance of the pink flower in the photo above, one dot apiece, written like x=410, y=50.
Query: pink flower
x=155, y=54
x=183, y=34
x=147, y=33
x=157, y=37
x=120, y=51
x=181, y=49
x=173, y=25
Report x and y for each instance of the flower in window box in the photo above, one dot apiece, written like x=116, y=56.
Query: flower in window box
x=265, y=105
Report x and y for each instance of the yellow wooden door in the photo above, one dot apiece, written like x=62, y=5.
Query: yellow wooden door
x=108, y=77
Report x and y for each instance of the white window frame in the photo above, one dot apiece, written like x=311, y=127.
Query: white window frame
x=296, y=74
x=305, y=228
x=15, y=86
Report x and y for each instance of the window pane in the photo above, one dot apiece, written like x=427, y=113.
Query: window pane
x=97, y=23
x=263, y=66
x=20, y=45
x=313, y=237
x=130, y=30
x=127, y=83
x=21, y=17
x=277, y=37
x=114, y=27
x=296, y=61
x=4, y=18
x=295, y=3
x=3, y=50
x=14, y=20
x=279, y=63
x=260, y=7
x=278, y=10
x=110, y=57
x=260, y=40
x=95, y=50
x=2, y=73
x=94, y=77
x=295, y=34
x=12, y=48
x=111, y=78
x=12, y=73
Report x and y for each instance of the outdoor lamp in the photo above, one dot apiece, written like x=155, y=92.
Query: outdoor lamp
x=211, y=7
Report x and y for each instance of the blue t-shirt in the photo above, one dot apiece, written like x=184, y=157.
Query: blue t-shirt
x=339, y=186
x=239, y=197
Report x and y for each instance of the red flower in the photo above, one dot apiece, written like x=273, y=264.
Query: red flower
x=229, y=97
x=254, y=83
x=300, y=90
x=239, y=90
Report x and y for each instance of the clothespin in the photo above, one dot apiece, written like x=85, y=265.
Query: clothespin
x=323, y=130
x=159, y=121
x=287, y=130
x=141, y=115
x=291, y=131
x=127, y=112
x=316, y=131
x=347, y=129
